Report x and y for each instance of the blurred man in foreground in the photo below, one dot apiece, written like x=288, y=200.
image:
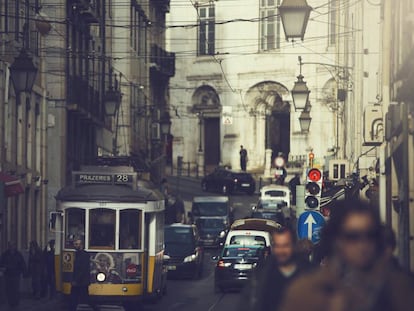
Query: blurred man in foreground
x=269, y=283
x=358, y=274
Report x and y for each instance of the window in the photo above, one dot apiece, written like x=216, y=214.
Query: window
x=333, y=4
x=75, y=225
x=206, y=35
x=102, y=228
x=246, y=240
x=130, y=228
x=269, y=25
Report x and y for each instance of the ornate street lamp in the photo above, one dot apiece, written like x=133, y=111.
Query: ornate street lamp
x=300, y=91
x=305, y=121
x=165, y=124
x=112, y=100
x=295, y=16
x=23, y=73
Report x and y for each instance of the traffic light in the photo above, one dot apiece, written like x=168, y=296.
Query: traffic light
x=313, y=189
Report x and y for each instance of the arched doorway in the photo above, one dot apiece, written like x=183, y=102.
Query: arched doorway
x=266, y=103
x=206, y=104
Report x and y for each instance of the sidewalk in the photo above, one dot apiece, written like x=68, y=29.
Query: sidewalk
x=28, y=303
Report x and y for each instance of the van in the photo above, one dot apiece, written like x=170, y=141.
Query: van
x=251, y=231
x=212, y=215
x=276, y=199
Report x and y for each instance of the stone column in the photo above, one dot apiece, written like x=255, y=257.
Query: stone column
x=268, y=164
x=200, y=163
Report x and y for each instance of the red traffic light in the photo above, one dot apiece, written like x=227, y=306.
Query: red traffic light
x=314, y=175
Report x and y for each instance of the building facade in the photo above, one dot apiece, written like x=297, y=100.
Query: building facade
x=23, y=122
x=234, y=74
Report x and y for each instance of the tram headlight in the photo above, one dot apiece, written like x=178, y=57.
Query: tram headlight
x=101, y=277
x=190, y=258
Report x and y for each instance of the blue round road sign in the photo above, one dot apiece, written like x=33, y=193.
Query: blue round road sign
x=310, y=224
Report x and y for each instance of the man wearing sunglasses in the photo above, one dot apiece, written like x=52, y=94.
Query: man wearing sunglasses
x=358, y=274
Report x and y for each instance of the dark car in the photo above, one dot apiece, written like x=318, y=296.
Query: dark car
x=227, y=182
x=183, y=252
x=275, y=216
x=235, y=266
x=213, y=231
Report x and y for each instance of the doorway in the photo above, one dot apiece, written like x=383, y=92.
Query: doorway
x=279, y=133
x=211, y=142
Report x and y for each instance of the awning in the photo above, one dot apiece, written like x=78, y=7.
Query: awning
x=12, y=185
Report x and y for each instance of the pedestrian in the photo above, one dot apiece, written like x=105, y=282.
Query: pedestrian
x=243, y=158
x=164, y=187
x=49, y=282
x=80, y=276
x=36, y=268
x=358, y=274
x=14, y=267
x=295, y=181
x=268, y=283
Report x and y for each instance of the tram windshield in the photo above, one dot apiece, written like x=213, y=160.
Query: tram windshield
x=75, y=225
x=102, y=228
x=129, y=229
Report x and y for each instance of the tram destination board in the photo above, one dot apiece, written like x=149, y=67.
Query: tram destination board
x=85, y=178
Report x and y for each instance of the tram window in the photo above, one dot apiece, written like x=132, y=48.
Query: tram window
x=75, y=225
x=130, y=226
x=102, y=229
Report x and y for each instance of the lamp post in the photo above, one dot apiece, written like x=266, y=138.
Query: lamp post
x=305, y=121
x=200, y=124
x=112, y=101
x=300, y=91
x=23, y=73
x=295, y=17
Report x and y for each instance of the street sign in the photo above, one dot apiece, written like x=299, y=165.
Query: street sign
x=227, y=120
x=279, y=162
x=310, y=224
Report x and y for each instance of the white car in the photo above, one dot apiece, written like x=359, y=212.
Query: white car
x=275, y=198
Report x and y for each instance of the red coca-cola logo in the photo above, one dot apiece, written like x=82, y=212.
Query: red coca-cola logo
x=131, y=270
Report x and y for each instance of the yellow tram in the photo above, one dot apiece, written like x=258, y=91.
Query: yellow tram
x=122, y=225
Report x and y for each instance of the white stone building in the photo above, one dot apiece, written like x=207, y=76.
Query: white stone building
x=232, y=60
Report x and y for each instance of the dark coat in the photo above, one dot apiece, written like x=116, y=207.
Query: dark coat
x=36, y=263
x=13, y=263
x=81, y=269
x=384, y=288
x=267, y=286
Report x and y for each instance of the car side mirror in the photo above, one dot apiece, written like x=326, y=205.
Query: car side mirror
x=214, y=258
x=166, y=258
x=253, y=207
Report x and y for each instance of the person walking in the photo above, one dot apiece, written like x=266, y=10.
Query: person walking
x=295, y=181
x=49, y=286
x=358, y=273
x=14, y=267
x=243, y=158
x=36, y=268
x=269, y=282
x=80, y=276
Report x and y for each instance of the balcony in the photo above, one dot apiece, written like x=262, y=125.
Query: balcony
x=162, y=62
x=163, y=5
x=88, y=9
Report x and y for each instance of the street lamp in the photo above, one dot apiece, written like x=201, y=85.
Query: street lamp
x=23, y=73
x=112, y=100
x=295, y=16
x=305, y=121
x=165, y=124
x=300, y=91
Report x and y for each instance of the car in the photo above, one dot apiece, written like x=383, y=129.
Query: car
x=227, y=182
x=274, y=198
x=251, y=232
x=235, y=266
x=275, y=216
x=183, y=255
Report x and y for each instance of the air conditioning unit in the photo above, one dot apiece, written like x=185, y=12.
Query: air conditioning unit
x=338, y=169
x=373, y=125
x=155, y=131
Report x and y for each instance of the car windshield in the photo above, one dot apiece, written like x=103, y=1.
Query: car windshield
x=275, y=193
x=246, y=240
x=210, y=208
x=244, y=252
x=213, y=223
x=178, y=235
x=272, y=204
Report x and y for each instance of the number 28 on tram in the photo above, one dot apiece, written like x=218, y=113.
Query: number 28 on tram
x=122, y=228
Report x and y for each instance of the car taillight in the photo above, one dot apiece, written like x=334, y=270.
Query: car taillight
x=222, y=264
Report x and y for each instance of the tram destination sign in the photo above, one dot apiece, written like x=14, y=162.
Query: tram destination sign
x=84, y=178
